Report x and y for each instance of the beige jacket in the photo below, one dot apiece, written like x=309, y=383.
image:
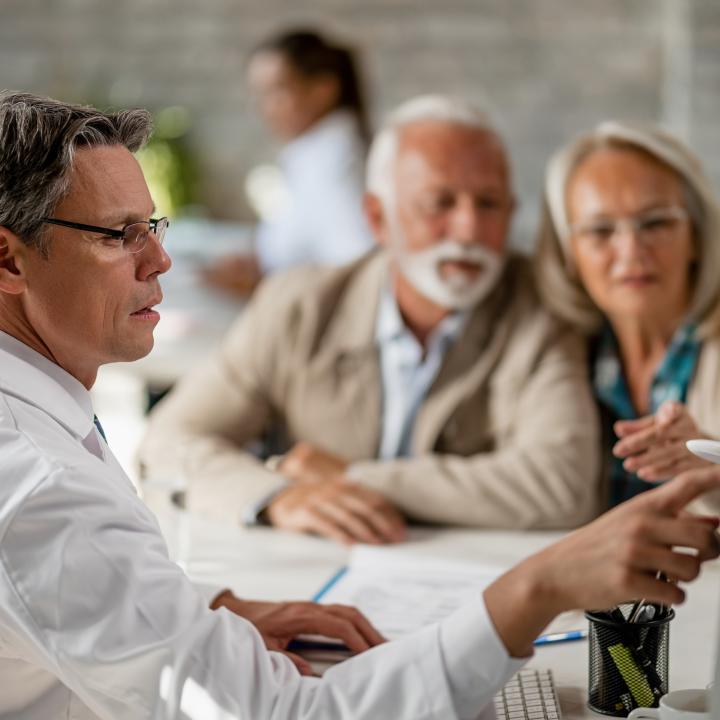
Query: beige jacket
x=507, y=437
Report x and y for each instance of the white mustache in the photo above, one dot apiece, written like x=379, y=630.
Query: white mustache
x=459, y=291
x=454, y=251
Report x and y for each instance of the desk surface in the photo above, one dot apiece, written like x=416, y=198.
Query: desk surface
x=270, y=564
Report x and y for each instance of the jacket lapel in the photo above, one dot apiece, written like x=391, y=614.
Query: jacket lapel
x=349, y=362
x=467, y=366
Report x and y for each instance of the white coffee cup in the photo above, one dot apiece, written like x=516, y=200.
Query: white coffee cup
x=678, y=705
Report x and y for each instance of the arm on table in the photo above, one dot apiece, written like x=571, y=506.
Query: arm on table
x=128, y=633
x=547, y=477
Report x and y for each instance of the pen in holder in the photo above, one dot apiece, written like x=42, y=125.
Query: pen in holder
x=628, y=663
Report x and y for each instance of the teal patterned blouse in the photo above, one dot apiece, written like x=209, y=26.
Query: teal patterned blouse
x=671, y=382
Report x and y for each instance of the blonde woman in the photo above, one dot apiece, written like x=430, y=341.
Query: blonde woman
x=629, y=253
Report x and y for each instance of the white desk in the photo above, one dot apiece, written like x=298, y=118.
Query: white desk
x=271, y=564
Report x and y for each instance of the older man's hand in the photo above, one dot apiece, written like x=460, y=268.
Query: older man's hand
x=612, y=560
x=307, y=463
x=654, y=446
x=338, y=509
x=279, y=623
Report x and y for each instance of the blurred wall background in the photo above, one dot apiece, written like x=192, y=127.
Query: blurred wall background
x=548, y=67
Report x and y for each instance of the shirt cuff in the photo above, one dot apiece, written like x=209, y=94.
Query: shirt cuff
x=209, y=592
x=477, y=662
x=251, y=514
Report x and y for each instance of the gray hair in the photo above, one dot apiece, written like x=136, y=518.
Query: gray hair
x=383, y=149
x=560, y=286
x=38, y=139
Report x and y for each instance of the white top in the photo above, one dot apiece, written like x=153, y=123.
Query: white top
x=408, y=371
x=321, y=221
x=97, y=622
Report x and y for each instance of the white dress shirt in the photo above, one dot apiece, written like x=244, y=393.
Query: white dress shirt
x=321, y=220
x=408, y=371
x=97, y=622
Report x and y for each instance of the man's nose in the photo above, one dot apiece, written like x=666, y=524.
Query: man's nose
x=464, y=222
x=153, y=258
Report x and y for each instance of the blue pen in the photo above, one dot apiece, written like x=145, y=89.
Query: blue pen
x=561, y=637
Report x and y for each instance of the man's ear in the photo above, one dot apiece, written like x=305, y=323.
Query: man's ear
x=13, y=262
x=376, y=217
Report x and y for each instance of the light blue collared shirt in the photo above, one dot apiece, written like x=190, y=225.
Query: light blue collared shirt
x=408, y=371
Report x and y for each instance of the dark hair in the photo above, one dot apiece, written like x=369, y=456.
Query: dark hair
x=312, y=55
x=38, y=139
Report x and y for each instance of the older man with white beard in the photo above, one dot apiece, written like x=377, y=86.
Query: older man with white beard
x=421, y=383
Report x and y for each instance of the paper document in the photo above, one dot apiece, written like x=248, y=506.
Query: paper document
x=400, y=592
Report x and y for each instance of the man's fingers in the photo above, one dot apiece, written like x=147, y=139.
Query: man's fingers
x=318, y=620
x=681, y=566
x=362, y=624
x=336, y=621
x=385, y=521
x=687, y=531
x=335, y=510
x=676, y=494
x=303, y=666
x=317, y=522
x=648, y=586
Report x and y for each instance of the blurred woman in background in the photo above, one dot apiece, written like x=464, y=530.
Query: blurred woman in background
x=308, y=93
x=629, y=253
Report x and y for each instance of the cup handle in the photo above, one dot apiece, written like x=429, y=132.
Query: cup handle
x=652, y=713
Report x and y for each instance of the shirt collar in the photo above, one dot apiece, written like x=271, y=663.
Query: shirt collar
x=27, y=375
x=390, y=326
x=323, y=137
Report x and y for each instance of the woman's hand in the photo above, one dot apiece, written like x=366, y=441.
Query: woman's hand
x=654, y=446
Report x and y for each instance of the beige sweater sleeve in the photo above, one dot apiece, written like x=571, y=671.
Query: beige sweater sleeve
x=544, y=476
x=197, y=433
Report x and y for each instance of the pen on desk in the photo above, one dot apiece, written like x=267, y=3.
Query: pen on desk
x=561, y=637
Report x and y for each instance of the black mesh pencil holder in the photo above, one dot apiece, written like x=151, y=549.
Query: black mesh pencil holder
x=628, y=663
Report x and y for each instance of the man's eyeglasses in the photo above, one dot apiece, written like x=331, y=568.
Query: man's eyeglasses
x=132, y=238
x=651, y=228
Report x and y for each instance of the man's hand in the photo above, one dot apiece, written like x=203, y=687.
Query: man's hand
x=341, y=510
x=654, y=446
x=279, y=623
x=612, y=560
x=307, y=463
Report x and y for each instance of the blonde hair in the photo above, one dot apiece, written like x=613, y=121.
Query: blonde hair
x=559, y=284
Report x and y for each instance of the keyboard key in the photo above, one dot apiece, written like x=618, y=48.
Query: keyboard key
x=530, y=695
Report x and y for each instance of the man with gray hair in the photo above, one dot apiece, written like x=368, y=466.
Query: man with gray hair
x=95, y=619
x=422, y=383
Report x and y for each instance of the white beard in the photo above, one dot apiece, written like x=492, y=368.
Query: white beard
x=422, y=269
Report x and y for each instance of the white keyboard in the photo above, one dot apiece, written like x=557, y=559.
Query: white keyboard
x=530, y=695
